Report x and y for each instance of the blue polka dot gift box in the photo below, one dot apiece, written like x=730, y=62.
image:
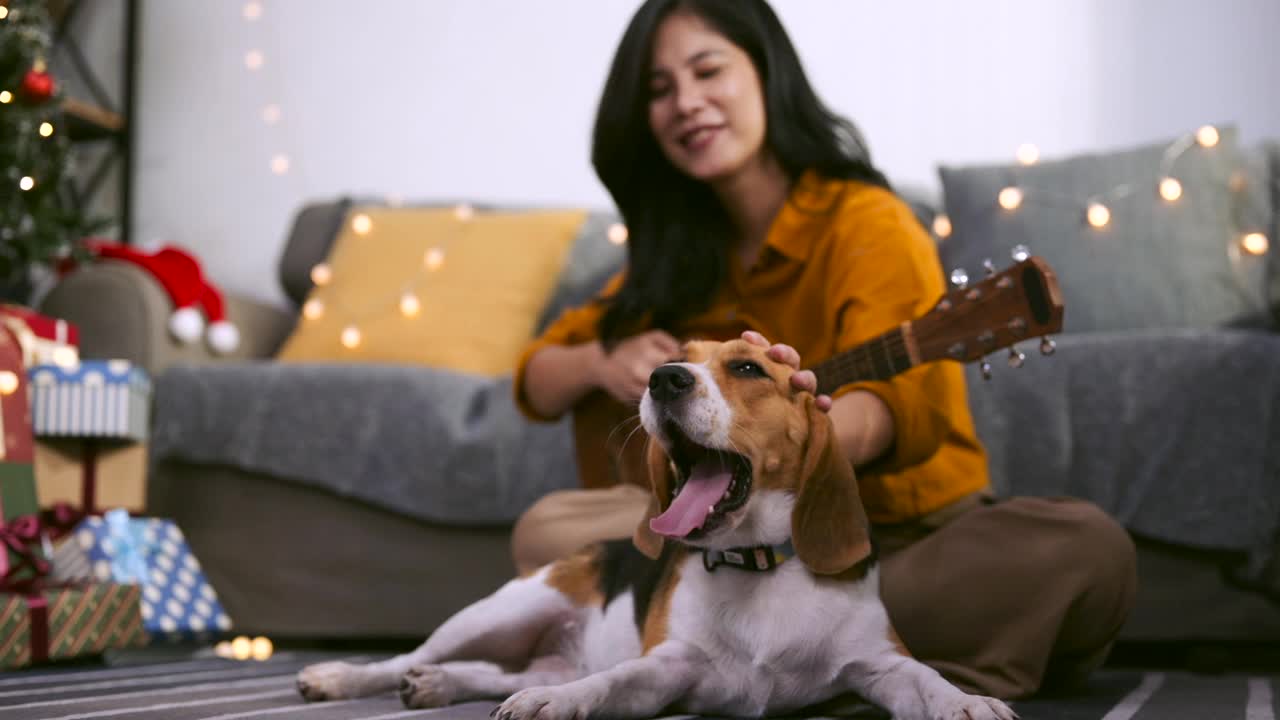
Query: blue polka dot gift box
x=90, y=399
x=178, y=603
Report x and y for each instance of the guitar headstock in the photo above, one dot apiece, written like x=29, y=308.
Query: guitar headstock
x=1004, y=308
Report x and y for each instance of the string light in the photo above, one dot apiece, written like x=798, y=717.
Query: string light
x=253, y=59
x=464, y=212
x=1170, y=189
x=6, y=97
x=433, y=259
x=8, y=382
x=262, y=649
x=1010, y=198
x=410, y=306
x=1028, y=154
x=361, y=224
x=1255, y=243
x=617, y=233
x=241, y=648
x=280, y=164
x=252, y=11
x=1207, y=136
x=271, y=114
x=942, y=226
x=313, y=309
x=46, y=129
x=4, y=12
x=351, y=337
x=1098, y=214
x=321, y=274
x=26, y=183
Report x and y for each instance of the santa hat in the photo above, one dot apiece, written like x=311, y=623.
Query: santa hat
x=180, y=275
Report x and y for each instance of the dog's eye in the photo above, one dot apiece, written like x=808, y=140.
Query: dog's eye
x=747, y=368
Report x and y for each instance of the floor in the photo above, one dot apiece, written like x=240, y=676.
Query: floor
x=189, y=685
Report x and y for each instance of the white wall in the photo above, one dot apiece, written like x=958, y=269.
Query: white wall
x=493, y=99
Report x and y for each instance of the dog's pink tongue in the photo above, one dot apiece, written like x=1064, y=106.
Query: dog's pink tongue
x=706, y=485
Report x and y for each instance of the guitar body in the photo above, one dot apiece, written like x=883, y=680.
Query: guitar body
x=966, y=325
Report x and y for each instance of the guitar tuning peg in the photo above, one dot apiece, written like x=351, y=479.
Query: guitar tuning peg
x=1047, y=346
x=989, y=266
x=960, y=278
x=1016, y=358
x=1020, y=253
x=986, y=369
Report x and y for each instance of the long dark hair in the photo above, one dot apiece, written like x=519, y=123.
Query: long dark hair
x=678, y=232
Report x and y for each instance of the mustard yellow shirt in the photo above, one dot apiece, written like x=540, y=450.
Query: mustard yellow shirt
x=843, y=262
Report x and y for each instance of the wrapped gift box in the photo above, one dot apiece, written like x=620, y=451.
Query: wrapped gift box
x=61, y=622
x=15, y=404
x=43, y=339
x=91, y=475
x=93, y=399
x=178, y=603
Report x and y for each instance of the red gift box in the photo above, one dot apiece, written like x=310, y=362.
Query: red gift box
x=44, y=340
x=15, y=402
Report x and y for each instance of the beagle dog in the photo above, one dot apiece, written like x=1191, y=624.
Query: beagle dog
x=750, y=588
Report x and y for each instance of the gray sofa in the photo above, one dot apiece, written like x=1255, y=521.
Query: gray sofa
x=373, y=501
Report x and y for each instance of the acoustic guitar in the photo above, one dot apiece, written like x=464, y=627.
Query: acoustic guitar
x=967, y=324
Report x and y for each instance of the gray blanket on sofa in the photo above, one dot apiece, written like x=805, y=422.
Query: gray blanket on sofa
x=1176, y=433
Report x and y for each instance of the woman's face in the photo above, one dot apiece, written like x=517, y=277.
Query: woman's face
x=706, y=106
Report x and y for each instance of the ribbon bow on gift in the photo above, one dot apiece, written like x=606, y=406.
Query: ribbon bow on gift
x=21, y=538
x=128, y=562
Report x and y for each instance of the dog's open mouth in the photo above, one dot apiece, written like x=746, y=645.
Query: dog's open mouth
x=710, y=484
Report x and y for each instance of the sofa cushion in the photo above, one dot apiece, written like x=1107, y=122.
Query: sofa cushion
x=478, y=282
x=1154, y=264
x=432, y=444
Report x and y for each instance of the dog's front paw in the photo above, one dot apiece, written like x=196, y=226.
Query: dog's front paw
x=427, y=686
x=541, y=703
x=330, y=681
x=975, y=707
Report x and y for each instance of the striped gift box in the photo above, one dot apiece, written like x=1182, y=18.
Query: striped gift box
x=178, y=603
x=94, y=399
x=67, y=622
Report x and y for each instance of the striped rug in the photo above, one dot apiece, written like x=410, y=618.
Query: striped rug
x=215, y=689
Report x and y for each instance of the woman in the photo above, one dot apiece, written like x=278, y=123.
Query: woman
x=753, y=209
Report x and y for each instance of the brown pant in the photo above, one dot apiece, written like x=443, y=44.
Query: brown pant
x=1003, y=597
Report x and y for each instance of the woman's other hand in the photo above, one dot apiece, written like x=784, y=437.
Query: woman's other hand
x=624, y=373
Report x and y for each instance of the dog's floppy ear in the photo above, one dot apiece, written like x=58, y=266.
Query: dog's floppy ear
x=829, y=524
x=661, y=482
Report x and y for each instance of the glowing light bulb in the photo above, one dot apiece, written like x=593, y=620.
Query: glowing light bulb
x=252, y=10
x=46, y=129
x=1010, y=198
x=1028, y=154
x=65, y=356
x=1170, y=189
x=8, y=382
x=1255, y=243
x=351, y=337
x=280, y=164
x=253, y=59
x=223, y=650
x=321, y=274
x=26, y=183
x=4, y=12
x=433, y=259
x=6, y=97
x=313, y=309
x=617, y=233
x=271, y=114
x=410, y=305
x=1098, y=214
x=1207, y=136
x=361, y=224
x=262, y=648
x=942, y=226
x=241, y=648
x=464, y=212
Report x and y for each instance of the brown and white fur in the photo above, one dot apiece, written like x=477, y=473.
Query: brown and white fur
x=611, y=632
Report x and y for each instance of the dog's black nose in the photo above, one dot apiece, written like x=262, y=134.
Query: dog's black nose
x=669, y=382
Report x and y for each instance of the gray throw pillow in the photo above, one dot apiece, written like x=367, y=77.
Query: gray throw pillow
x=1272, y=150
x=1155, y=263
x=592, y=260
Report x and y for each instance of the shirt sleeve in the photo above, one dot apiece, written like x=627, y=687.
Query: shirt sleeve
x=574, y=326
x=884, y=269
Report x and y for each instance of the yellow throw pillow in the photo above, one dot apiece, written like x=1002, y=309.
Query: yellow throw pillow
x=443, y=287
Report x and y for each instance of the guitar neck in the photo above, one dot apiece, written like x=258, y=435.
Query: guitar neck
x=877, y=359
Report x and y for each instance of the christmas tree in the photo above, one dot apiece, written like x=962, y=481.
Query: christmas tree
x=38, y=223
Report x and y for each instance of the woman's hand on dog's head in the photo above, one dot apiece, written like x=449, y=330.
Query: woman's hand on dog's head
x=803, y=380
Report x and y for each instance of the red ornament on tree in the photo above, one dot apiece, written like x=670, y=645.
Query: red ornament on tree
x=37, y=86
